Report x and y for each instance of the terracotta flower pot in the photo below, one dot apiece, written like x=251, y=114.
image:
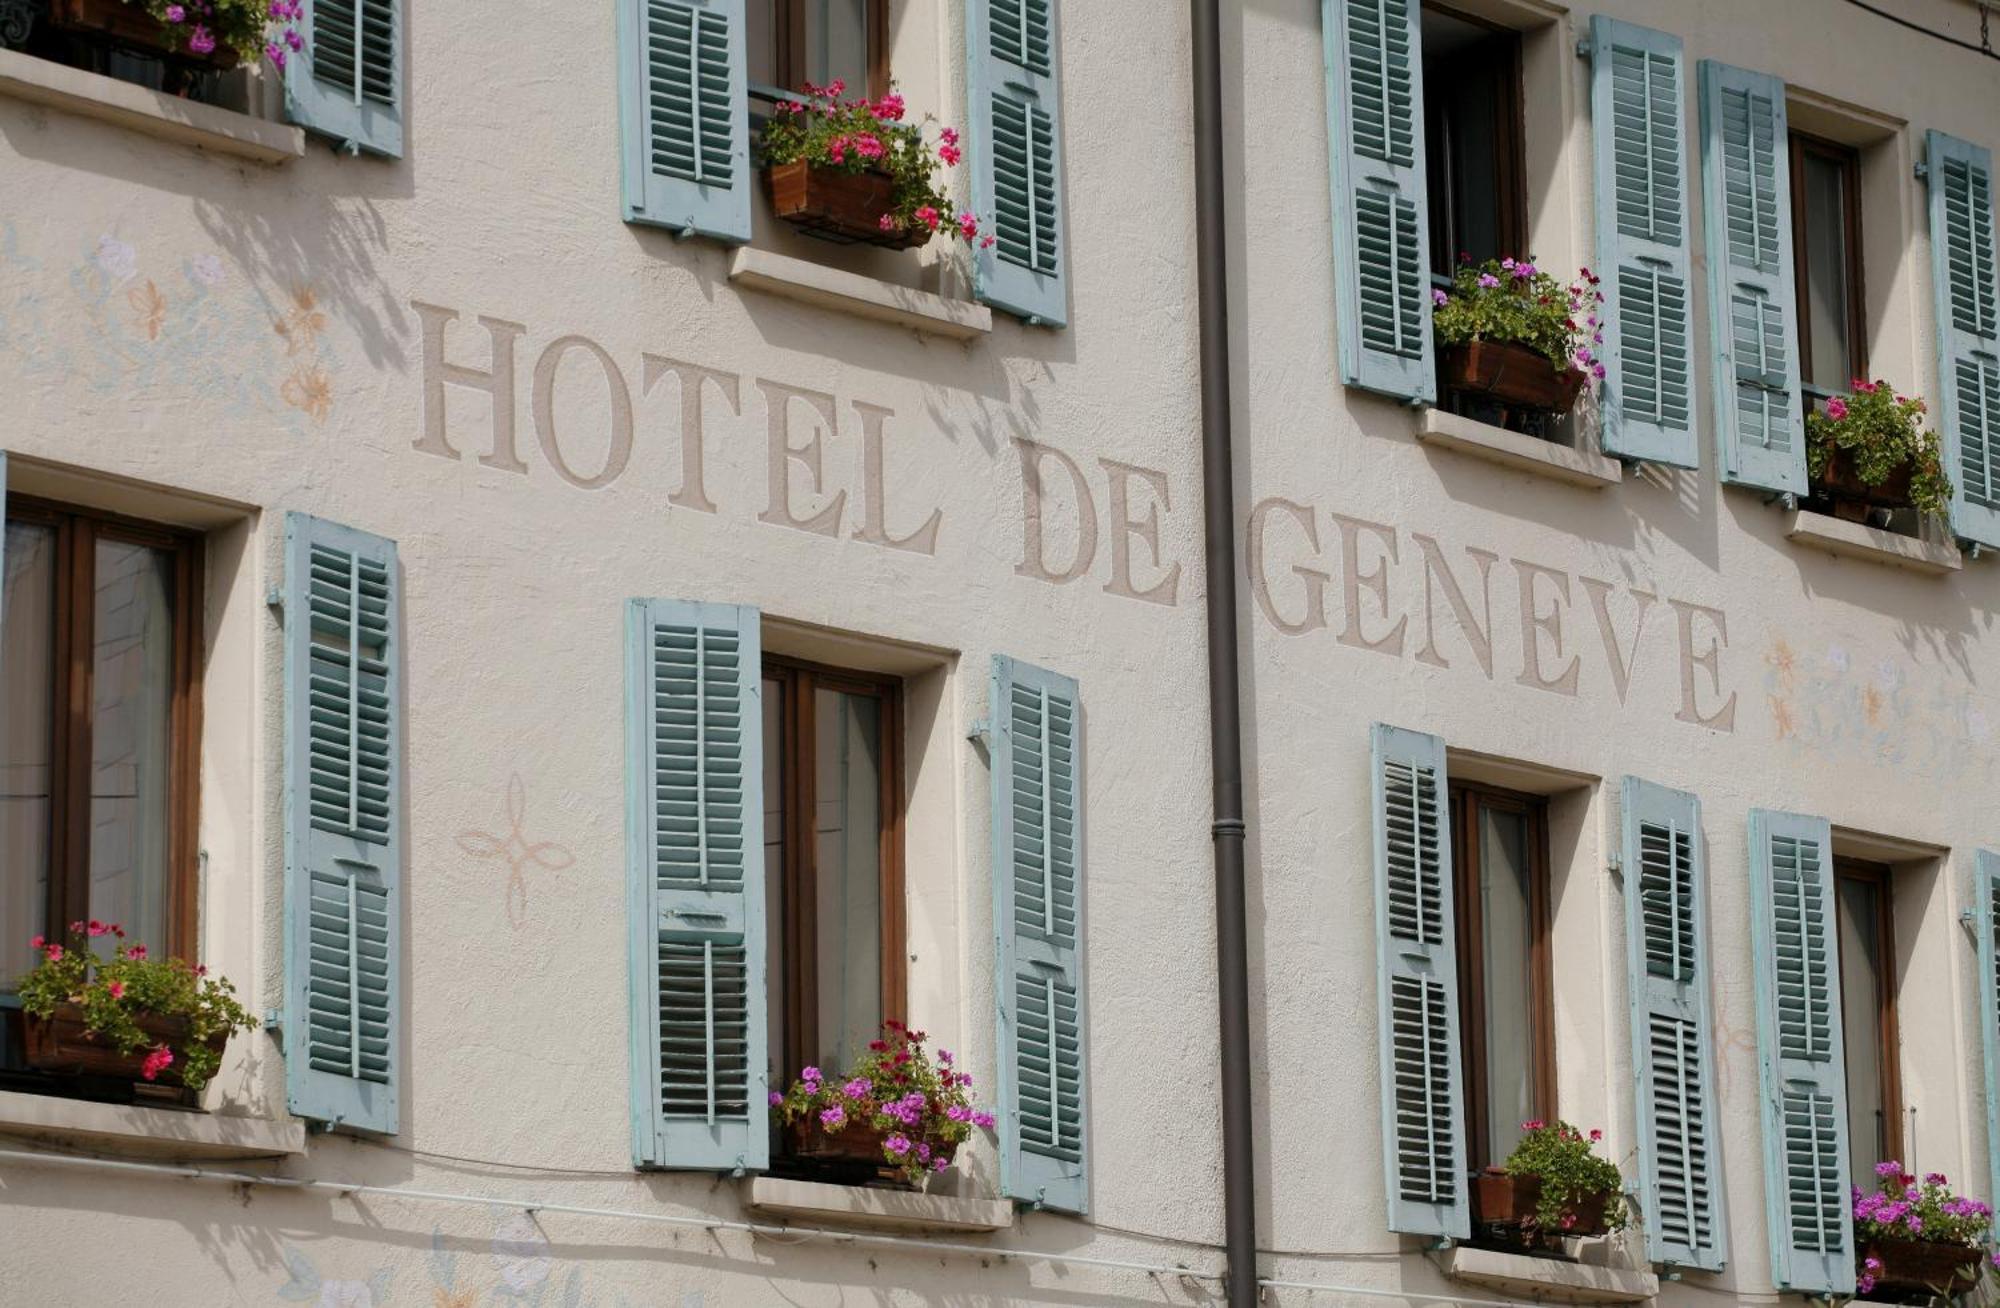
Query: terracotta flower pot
x=1853, y=497
x=1924, y=1266
x=836, y=205
x=59, y=1043
x=128, y=24
x=1504, y=1199
x=1511, y=374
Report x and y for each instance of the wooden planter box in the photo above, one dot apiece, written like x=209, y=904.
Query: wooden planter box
x=60, y=1044
x=1926, y=1267
x=130, y=25
x=853, y=1153
x=1511, y=375
x=1506, y=1201
x=1852, y=497
x=833, y=204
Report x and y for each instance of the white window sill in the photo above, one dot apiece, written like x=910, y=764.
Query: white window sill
x=1510, y=449
x=1548, y=1279
x=1857, y=540
x=42, y=81
x=147, y=1132
x=812, y=1203
x=864, y=297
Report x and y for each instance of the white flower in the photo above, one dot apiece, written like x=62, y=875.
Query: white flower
x=119, y=260
x=1887, y=677
x=207, y=269
x=522, y=1253
x=345, y=1294
x=1836, y=660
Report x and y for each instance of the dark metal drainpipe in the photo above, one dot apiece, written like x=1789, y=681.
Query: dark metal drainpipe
x=1225, y=727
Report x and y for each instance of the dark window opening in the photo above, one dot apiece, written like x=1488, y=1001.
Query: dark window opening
x=125, y=42
x=1864, y=918
x=1826, y=258
x=1472, y=140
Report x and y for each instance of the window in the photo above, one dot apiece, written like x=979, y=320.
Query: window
x=1506, y=1013
x=792, y=42
x=1826, y=253
x=120, y=41
x=99, y=714
x=832, y=862
x=1472, y=140
x=1867, y=941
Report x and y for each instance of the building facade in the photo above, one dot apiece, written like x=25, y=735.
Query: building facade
x=576, y=651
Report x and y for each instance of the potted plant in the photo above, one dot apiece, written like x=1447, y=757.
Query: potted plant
x=1869, y=450
x=1551, y=1186
x=150, y=1021
x=214, y=34
x=1511, y=335
x=898, y=1114
x=1918, y=1238
x=854, y=171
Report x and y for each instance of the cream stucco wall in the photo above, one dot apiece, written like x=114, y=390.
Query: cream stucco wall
x=1761, y=673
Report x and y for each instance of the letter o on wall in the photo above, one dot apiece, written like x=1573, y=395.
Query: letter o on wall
x=620, y=451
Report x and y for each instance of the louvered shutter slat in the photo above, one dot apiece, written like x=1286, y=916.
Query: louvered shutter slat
x=1963, y=274
x=684, y=116
x=1986, y=915
x=1667, y=979
x=1760, y=424
x=1802, y=1070
x=1038, y=951
x=348, y=82
x=1015, y=141
x=343, y=825
x=1380, y=224
x=695, y=881
x=1642, y=248
x=1423, y=1134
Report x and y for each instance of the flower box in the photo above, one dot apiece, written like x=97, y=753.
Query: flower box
x=130, y=25
x=59, y=1043
x=855, y=1152
x=834, y=204
x=1852, y=497
x=1512, y=375
x=1506, y=1199
x=1924, y=1267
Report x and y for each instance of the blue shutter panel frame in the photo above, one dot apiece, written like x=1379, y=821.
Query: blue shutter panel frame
x=1381, y=223
x=1960, y=177
x=1013, y=90
x=1036, y=745
x=695, y=884
x=1801, y=1062
x=343, y=1013
x=1986, y=913
x=684, y=116
x=1636, y=88
x=1423, y=1086
x=348, y=83
x=1673, y=1052
x=1753, y=309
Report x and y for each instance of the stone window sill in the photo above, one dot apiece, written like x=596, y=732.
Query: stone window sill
x=1548, y=1279
x=1856, y=540
x=814, y=1203
x=864, y=297
x=1512, y=450
x=137, y=1131
x=92, y=95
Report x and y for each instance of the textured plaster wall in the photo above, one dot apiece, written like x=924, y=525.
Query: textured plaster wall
x=247, y=336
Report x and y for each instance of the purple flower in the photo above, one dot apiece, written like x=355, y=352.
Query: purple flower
x=776, y=1099
x=897, y=1144
x=1891, y=1168
x=983, y=1120
x=275, y=53
x=856, y=1089
x=833, y=1118
x=202, y=41
x=1488, y=280
x=1507, y=265
x=1934, y=1178
x=1597, y=371
x=1524, y=271
x=176, y=14
x=958, y=1113
x=944, y=1057
x=940, y=1162
x=924, y=1152
x=1439, y=298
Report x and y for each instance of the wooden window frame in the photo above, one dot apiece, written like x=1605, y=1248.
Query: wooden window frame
x=77, y=532
x=790, y=56
x=798, y=680
x=1468, y=800
x=1510, y=118
x=1887, y=1031
x=1848, y=159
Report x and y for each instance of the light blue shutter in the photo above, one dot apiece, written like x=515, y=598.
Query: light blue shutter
x=344, y=754
x=1423, y=1129
x=1014, y=57
x=1747, y=193
x=1986, y=911
x=1636, y=83
x=1381, y=224
x=1802, y=1072
x=695, y=878
x=684, y=116
x=348, y=84
x=1960, y=176
x=1673, y=1054
x=1037, y=767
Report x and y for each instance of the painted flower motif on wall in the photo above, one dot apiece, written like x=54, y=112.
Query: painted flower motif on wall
x=302, y=323
x=149, y=308
x=119, y=260
x=346, y=1294
x=521, y=1254
x=207, y=270
x=309, y=390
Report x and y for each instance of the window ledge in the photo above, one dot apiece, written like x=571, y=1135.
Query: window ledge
x=1509, y=449
x=92, y=95
x=892, y=1210
x=865, y=297
x=147, y=1132
x=1857, y=540
x=1548, y=1279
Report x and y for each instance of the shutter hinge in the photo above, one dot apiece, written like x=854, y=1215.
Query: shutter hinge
x=1970, y=921
x=1583, y=48
x=685, y=233
x=1922, y=170
x=1615, y=865
x=980, y=732
x=351, y=147
x=1974, y=550
x=275, y=598
x=1033, y=320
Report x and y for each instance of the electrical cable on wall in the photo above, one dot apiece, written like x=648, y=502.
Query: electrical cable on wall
x=1984, y=47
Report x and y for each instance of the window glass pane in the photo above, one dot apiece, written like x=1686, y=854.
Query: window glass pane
x=27, y=660
x=1828, y=363
x=1507, y=944
x=1860, y=925
x=760, y=41
x=131, y=717
x=774, y=878
x=847, y=835
x=837, y=43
